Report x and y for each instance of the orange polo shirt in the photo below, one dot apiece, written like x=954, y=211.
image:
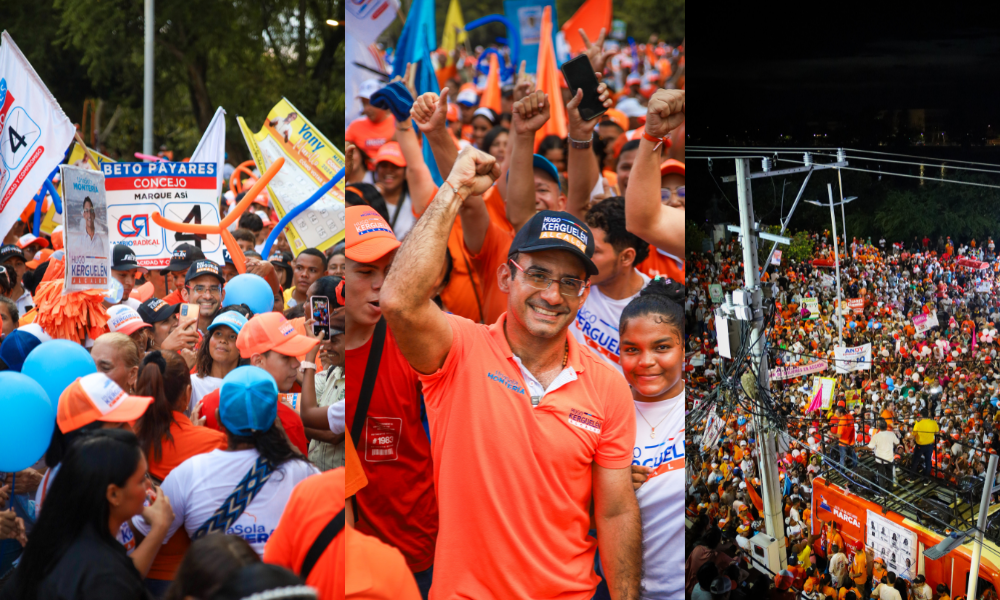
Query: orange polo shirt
x=378, y=571
x=495, y=457
x=313, y=503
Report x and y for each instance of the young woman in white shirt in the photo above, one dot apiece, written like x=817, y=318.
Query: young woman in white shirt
x=218, y=355
x=652, y=357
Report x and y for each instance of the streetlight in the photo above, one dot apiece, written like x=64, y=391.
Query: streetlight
x=332, y=23
x=842, y=218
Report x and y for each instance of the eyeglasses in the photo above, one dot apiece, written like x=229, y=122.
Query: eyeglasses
x=665, y=193
x=89, y=211
x=569, y=287
x=215, y=290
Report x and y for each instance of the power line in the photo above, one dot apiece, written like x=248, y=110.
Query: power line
x=932, y=179
x=968, y=162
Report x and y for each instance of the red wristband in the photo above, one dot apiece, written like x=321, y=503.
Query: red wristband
x=664, y=140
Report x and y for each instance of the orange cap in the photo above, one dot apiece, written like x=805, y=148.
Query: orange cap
x=452, y=112
x=369, y=237
x=617, y=117
x=272, y=331
x=40, y=257
x=95, y=397
x=671, y=166
x=390, y=153
x=57, y=238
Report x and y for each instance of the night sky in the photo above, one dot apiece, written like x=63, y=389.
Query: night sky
x=764, y=65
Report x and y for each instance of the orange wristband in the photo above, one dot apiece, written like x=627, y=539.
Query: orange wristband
x=664, y=140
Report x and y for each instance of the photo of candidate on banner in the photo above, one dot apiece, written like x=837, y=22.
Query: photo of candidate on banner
x=88, y=250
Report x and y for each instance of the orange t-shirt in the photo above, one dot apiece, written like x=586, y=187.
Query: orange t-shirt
x=496, y=246
x=369, y=136
x=378, y=571
x=463, y=295
x=313, y=503
x=356, y=478
x=495, y=456
x=188, y=440
x=173, y=297
x=659, y=263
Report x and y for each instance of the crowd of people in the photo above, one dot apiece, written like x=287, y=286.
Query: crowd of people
x=514, y=336
x=925, y=406
x=196, y=453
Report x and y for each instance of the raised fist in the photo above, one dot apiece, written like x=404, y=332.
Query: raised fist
x=475, y=171
x=531, y=113
x=665, y=112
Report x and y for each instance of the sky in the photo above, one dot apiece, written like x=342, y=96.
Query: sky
x=765, y=63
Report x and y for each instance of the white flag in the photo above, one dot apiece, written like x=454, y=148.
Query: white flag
x=212, y=147
x=34, y=133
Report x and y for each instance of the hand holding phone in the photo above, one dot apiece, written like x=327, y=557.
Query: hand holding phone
x=580, y=76
x=319, y=308
x=188, y=314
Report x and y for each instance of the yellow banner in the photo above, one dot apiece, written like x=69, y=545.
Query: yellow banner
x=310, y=161
x=77, y=158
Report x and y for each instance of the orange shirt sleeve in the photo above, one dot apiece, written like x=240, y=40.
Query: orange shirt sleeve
x=355, y=476
x=614, y=451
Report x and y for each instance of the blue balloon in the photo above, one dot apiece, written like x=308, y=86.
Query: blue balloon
x=251, y=290
x=26, y=421
x=56, y=364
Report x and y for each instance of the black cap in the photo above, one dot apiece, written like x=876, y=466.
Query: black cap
x=123, y=259
x=10, y=251
x=556, y=230
x=204, y=267
x=183, y=256
x=282, y=260
x=155, y=310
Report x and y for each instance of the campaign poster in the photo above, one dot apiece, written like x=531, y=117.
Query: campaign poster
x=77, y=158
x=922, y=323
x=526, y=15
x=88, y=250
x=828, y=384
x=184, y=192
x=782, y=373
x=776, y=259
x=715, y=291
x=852, y=358
x=310, y=161
x=812, y=305
x=895, y=544
x=857, y=305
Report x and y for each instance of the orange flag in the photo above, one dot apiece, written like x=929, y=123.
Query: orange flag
x=491, y=95
x=548, y=76
x=591, y=17
x=755, y=498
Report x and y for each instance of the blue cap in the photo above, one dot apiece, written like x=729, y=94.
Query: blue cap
x=540, y=162
x=16, y=347
x=248, y=400
x=230, y=319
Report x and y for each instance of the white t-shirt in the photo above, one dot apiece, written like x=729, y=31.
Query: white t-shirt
x=405, y=220
x=203, y=386
x=199, y=486
x=661, y=498
x=596, y=324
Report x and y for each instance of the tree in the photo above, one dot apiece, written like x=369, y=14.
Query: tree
x=693, y=238
x=243, y=55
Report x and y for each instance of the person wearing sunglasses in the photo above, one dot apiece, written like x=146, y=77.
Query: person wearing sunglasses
x=513, y=403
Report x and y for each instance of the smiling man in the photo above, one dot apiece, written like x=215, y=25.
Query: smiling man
x=307, y=267
x=390, y=439
x=527, y=427
x=203, y=286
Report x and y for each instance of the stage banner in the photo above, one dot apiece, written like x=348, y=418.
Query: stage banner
x=184, y=192
x=310, y=161
x=782, y=373
x=852, y=358
x=894, y=544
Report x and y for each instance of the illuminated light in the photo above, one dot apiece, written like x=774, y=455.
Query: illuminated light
x=332, y=23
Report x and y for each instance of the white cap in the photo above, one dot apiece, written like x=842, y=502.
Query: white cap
x=369, y=87
x=36, y=330
x=631, y=108
x=467, y=97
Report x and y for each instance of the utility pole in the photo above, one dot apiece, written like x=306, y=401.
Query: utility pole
x=984, y=508
x=767, y=458
x=836, y=260
x=147, y=92
x=841, y=156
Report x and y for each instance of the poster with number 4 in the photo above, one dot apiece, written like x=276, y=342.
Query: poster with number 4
x=184, y=192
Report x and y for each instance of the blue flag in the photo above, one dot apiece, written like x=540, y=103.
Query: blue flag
x=415, y=45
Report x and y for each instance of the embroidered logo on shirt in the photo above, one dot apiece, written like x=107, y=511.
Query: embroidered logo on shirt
x=505, y=381
x=584, y=420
